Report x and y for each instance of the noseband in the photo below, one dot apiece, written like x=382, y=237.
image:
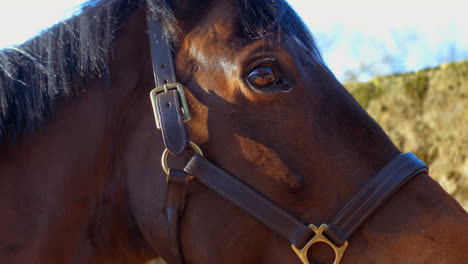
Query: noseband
x=171, y=111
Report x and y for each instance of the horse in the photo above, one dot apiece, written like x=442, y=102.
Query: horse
x=80, y=179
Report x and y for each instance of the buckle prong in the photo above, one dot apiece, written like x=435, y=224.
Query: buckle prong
x=320, y=238
x=164, y=89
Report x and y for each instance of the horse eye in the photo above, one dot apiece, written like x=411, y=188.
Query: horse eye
x=263, y=76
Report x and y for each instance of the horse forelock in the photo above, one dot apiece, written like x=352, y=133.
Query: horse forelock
x=273, y=19
x=55, y=64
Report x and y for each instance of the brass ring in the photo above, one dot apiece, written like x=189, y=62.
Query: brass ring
x=317, y=238
x=166, y=153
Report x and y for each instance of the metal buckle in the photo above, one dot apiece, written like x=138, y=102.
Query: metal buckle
x=317, y=238
x=164, y=88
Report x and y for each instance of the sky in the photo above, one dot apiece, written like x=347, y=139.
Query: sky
x=358, y=39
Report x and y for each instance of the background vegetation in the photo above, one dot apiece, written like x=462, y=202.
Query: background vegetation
x=425, y=112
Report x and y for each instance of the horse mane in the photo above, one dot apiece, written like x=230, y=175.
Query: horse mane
x=55, y=64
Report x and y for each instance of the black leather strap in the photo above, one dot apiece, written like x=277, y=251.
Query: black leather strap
x=161, y=51
x=172, y=123
x=249, y=200
x=172, y=127
x=168, y=101
x=396, y=173
x=177, y=183
x=369, y=198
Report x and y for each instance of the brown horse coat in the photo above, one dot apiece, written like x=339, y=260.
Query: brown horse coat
x=88, y=187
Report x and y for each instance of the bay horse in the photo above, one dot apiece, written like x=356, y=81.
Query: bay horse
x=80, y=177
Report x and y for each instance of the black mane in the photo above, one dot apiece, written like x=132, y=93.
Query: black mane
x=54, y=65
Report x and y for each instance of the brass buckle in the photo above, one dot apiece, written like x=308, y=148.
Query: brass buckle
x=166, y=152
x=164, y=88
x=317, y=238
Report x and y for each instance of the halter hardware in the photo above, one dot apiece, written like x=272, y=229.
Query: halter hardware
x=320, y=238
x=164, y=88
x=170, y=120
x=166, y=153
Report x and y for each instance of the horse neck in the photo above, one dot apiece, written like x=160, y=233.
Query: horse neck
x=61, y=186
x=420, y=217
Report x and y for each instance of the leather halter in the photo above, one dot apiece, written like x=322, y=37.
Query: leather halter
x=171, y=112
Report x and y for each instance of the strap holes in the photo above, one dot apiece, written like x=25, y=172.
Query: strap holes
x=163, y=66
x=166, y=81
x=168, y=104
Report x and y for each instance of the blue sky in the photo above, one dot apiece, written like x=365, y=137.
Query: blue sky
x=387, y=36
x=358, y=38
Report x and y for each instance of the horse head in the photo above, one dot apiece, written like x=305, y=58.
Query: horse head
x=264, y=107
